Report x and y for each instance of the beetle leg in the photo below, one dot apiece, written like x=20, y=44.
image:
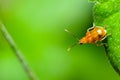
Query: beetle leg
x=105, y=37
x=90, y=28
x=101, y=44
x=93, y=24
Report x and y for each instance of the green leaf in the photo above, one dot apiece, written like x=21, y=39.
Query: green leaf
x=107, y=13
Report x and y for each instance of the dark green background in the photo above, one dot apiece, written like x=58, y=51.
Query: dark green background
x=37, y=27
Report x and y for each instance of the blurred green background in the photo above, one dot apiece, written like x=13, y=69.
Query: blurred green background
x=37, y=27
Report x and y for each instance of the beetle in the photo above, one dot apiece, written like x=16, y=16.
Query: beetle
x=93, y=35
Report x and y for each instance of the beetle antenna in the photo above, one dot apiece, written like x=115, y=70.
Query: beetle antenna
x=72, y=46
x=72, y=34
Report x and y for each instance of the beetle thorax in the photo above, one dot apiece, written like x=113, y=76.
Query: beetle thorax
x=99, y=31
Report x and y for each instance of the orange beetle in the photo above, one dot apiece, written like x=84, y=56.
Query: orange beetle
x=93, y=35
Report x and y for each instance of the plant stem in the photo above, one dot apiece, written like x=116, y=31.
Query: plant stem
x=18, y=53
